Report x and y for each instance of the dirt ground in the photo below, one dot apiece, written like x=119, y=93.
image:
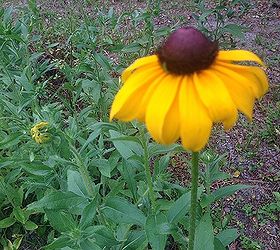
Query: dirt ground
x=249, y=148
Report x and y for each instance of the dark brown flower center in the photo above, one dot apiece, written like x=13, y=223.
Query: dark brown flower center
x=186, y=51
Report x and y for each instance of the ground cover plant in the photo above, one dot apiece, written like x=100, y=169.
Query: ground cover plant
x=71, y=179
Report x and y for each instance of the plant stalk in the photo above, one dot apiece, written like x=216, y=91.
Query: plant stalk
x=148, y=174
x=207, y=184
x=194, y=173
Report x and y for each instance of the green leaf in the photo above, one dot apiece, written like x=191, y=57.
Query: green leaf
x=89, y=244
x=206, y=200
x=180, y=238
x=93, y=89
x=61, y=221
x=17, y=242
x=20, y=215
x=205, y=14
x=16, y=195
x=29, y=225
x=103, y=236
x=234, y=29
x=90, y=138
x=75, y=183
x=102, y=61
x=72, y=129
x=204, y=236
x=7, y=15
x=103, y=166
x=10, y=140
x=7, y=222
x=122, y=211
x=153, y=223
x=227, y=236
x=161, y=164
x=136, y=240
x=59, y=243
x=179, y=208
x=24, y=82
x=122, y=231
x=162, y=32
x=36, y=168
x=59, y=200
x=129, y=177
x=12, y=177
x=219, y=176
x=93, y=229
x=218, y=245
x=133, y=47
x=88, y=214
x=127, y=146
x=4, y=163
x=228, y=190
x=156, y=149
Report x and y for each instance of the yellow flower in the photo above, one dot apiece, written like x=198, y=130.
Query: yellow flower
x=187, y=86
x=40, y=133
x=236, y=174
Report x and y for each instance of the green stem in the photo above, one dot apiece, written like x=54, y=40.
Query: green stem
x=148, y=173
x=194, y=172
x=83, y=171
x=207, y=184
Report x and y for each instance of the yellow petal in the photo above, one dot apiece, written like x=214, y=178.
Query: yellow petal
x=41, y=125
x=216, y=98
x=160, y=104
x=256, y=77
x=238, y=55
x=171, y=126
x=126, y=101
x=195, y=123
x=142, y=106
x=137, y=64
x=238, y=88
x=262, y=78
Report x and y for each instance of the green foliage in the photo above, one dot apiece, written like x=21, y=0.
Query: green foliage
x=248, y=243
x=269, y=211
x=215, y=20
x=86, y=187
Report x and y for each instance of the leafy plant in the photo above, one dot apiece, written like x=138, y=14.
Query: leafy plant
x=248, y=243
x=214, y=20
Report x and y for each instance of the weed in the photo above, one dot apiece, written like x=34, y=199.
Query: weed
x=248, y=243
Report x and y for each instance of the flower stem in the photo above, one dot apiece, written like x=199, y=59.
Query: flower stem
x=194, y=173
x=207, y=184
x=148, y=173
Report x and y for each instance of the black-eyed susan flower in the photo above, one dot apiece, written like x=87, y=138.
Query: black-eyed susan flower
x=40, y=133
x=187, y=86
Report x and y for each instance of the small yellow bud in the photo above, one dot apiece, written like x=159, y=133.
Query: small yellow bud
x=39, y=132
x=236, y=174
